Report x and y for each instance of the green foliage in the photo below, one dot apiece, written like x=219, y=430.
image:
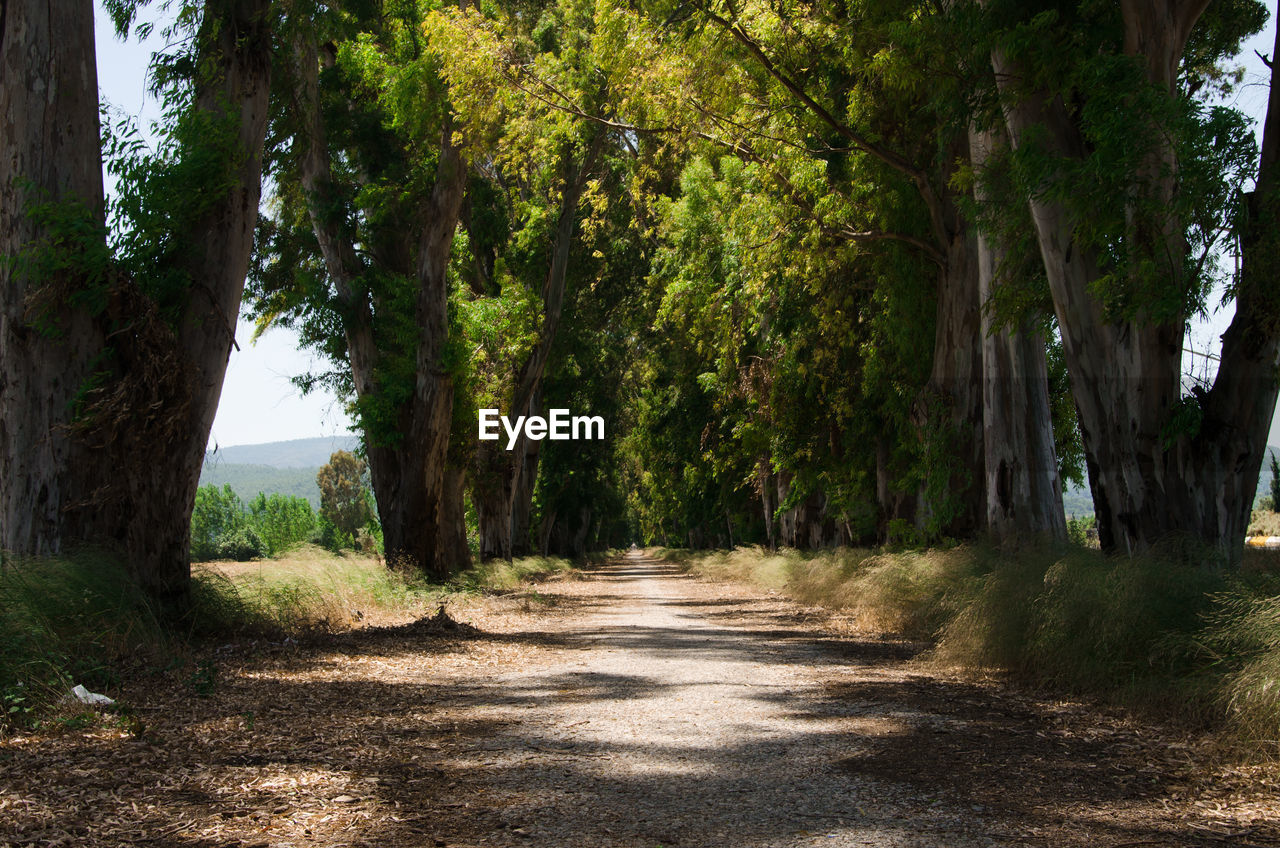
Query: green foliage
x=1078, y=530
x=344, y=500
x=69, y=264
x=223, y=528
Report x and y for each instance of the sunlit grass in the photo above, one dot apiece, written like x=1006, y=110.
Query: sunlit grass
x=1166, y=631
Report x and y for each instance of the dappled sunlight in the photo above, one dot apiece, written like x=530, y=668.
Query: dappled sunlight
x=674, y=712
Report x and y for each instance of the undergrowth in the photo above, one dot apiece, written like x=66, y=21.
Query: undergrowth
x=82, y=620
x=500, y=575
x=1164, y=632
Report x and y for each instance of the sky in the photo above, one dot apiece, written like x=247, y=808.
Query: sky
x=260, y=404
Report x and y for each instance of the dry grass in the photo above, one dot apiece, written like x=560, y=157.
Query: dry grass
x=909, y=594
x=1163, y=632
x=1264, y=522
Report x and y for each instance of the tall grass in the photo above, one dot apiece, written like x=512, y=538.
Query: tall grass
x=500, y=575
x=1166, y=631
x=66, y=621
x=81, y=619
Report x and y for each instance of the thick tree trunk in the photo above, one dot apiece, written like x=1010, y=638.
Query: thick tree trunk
x=948, y=414
x=455, y=554
x=492, y=492
x=416, y=493
x=432, y=406
x=144, y=428
x=238, y=43
x=1022, y=486
x=49, y=152
x=1150, y=481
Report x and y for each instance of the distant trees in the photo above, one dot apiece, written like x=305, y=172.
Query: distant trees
x=223, y=528
x=344, y=503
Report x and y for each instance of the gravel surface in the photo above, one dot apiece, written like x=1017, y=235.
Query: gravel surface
x=629, y=707
x=682, y=729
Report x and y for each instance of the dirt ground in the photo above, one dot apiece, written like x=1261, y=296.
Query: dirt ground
x=631, y=706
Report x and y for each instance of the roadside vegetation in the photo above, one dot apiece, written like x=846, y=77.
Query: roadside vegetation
x=84, y=620
x=1160, y=632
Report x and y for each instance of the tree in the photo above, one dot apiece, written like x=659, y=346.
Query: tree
x=114, y=358
x=1100, y=105
x=542, y=94
x=365, y=143
x=343, y=502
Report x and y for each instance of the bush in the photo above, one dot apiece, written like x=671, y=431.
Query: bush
x=241, y=545
x=223, y=528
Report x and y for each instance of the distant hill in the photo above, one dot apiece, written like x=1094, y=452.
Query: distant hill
x=298, y=453
x=247, y=480
x=286, y=468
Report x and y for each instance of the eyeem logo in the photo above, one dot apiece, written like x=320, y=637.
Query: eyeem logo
x=559, y=427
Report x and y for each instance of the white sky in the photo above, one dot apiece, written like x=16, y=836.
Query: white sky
x=259, y=404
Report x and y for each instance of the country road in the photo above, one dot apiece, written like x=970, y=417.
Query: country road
x=634, y=707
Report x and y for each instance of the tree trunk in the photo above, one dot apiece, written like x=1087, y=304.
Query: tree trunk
x=49, y=152
x=1150, y=481
x=948, y=414
x=412, y=486
x=768, y=502
x=455, y=554
x=147, y=421
x=522, y=505
x=492, y=492
x=239, y=45
x=1023, y=491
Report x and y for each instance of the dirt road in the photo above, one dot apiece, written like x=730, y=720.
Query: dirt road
x=636, y=707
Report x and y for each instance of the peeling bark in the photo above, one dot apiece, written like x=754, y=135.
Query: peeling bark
x=1149, y=483
x=1022, y=489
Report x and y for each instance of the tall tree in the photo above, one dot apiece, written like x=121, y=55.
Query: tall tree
x=144, y=336
x=359, y=253
x=1129, y=180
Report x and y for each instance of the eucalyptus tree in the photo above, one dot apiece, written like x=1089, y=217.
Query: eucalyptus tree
x=1132, y=181
x=370, y=178
x=553, y=94
x=114, y=346
x=876, y=92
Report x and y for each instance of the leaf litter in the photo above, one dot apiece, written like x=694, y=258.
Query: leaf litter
x=585, y=720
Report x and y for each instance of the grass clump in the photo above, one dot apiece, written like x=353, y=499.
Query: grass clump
x=912, y=594
x=67, y=621
x=81, y=619
x=307, y=590
x=499, y=575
